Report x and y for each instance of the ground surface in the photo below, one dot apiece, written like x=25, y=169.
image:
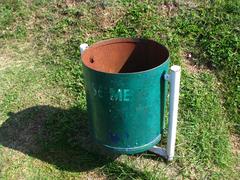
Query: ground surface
x=43, y=128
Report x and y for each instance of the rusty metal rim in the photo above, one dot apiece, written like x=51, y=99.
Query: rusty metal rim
x=124, y=40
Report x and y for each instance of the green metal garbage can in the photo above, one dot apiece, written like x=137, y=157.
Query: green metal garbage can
x=126, y=92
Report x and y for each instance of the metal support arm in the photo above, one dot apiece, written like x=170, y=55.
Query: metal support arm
x=174, y=79
x=83, y=47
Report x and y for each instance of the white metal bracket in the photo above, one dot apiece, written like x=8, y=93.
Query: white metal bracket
x=174, y=79
x=83, y=47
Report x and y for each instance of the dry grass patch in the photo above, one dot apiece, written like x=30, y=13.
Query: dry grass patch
x=108, y=16
x=189, y=62
x=235, y=142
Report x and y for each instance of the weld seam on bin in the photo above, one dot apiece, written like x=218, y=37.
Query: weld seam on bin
x=153, y=142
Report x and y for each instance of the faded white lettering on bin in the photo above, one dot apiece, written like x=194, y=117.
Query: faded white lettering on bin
x=122, y=95
x=119, y=94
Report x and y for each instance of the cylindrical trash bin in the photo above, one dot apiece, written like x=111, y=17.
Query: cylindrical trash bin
x=126, y=92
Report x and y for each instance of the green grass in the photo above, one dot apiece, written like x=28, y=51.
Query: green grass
x=43, y=118
x=215, y=32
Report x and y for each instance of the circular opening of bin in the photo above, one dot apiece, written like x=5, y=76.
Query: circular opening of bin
x=122, y=55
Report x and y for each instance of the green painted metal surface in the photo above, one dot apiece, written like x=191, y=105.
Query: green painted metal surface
x=126, y=110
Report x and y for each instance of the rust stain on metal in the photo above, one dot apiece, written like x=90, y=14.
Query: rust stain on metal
x=122, y=55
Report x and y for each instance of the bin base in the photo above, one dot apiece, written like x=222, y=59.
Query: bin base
x=133, y=150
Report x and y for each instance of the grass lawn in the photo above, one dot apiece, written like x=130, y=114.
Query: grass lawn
x=43, y=121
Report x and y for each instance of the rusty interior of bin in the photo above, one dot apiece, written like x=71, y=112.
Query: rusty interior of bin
x=124, y=55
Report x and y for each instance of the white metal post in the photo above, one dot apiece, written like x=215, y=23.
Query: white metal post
x=83, y=47
x=174, y=79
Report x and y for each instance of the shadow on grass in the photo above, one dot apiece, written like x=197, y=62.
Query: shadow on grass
x=56, y=136
x=60, y=137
